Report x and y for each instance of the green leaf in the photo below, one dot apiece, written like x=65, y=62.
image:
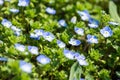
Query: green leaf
x=94, y=54
x=89, y=77
x=113, y=11
x=75, y=72
x=104, y=74
x=25, y=76
x=118, y=73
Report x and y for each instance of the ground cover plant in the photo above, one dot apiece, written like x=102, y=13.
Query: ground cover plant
x=59, y=40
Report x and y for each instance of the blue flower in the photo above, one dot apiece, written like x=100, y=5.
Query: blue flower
x=39, y=32
x=34, y=36
x=23, y=3
x=48, y=36
x=43, y=59
x=79, y=31
x=74, y=42
x=50, y=10
x=62, y=22
x=106, y=32
x=113, y=23
x=80, y=59
x=33, y=49
x=20, y=47
x=92, y=39
x=78, y=56
x=3, y=59
x=6, y=23
x=17, y=33
x=82, y=62
x=61, y=44
x=1, y=2
x=69, y=54
x=26, y=67
x=16, y=30
x=13, y=10
x=93, y=23
x=84, y=15
x=73, y=19
x=74, y=55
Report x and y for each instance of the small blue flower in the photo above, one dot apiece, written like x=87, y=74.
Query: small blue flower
x=106, y=32
x=79, y=31
x=73, y=19
x=78, y=56
x=74, y=42
x=39, y=32
x=61, y=44
x=48, y=36
x=34, y=36
x=81, y=59
x=62, y=23
x=69, y=54
x=33, y=49
x=13, y=10
x=84, y=15
x=3, y=59
x=20, y=47
x=6, y=23
x=16, y=30
x=1, y=2
x=50, y=10
x=26, y=67
x=82, y=62
x=113, y=23
x=17, y=33
x=93, y=23
x=92, y=39
x=23, y=3
x=43, y=59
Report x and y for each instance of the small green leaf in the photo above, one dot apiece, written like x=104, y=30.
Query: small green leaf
x=88, y=77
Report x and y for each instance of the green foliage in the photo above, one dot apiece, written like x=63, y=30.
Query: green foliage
x=103, y=58
x=104, y=74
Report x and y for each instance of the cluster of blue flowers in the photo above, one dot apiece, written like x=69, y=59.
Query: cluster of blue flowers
x=75, y=55
x=93, y=23
x=8, y=24
x=38, y=33
x=41, y=33
x=27, y=67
